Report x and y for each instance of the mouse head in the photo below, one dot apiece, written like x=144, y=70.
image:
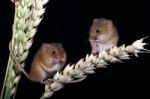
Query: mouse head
x=101, y=29
x=56, y=53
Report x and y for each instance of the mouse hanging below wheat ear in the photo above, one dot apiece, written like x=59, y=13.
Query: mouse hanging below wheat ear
x=49, y=59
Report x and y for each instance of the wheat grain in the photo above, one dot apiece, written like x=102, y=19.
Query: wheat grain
x=90, y=62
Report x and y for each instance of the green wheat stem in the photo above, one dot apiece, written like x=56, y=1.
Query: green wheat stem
x=8, y=91
x=4, y=83
x=28, y=15
x=9, y=60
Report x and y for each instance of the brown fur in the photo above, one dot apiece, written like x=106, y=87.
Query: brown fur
x=45, y=59
x=103, y=31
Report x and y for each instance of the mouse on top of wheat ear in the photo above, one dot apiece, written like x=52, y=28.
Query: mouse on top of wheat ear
x=103, y=35
x=49, y=59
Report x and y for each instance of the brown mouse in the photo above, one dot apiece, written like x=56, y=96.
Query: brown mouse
x=103, y=35
x=49, y=59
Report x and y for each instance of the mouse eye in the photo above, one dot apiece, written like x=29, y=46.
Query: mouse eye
x=53, y=52
x=97, y=31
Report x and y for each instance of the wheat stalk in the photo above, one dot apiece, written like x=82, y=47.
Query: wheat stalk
x=87, y=65
x=27, y=17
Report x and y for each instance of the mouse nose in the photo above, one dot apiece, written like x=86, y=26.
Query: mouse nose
x=57, y=60
x=60, y=59
x=63, y=59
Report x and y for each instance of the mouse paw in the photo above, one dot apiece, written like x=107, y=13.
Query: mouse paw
x=46, y=82
x=102, y=47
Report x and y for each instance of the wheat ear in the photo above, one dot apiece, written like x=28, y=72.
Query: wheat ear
x=27, y=17
x=87, y=65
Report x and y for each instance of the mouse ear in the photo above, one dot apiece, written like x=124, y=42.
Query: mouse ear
x=109, y=23
x=46, y=45
x=95, y=20
x=59, y=44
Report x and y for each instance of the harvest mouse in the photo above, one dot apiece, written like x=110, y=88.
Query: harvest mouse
x=49, y=59
x=103, y=35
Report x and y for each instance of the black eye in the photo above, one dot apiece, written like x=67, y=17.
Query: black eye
x=97, y=31
x=53, y=52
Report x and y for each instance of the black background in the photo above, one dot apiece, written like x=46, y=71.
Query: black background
x=68, y=22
